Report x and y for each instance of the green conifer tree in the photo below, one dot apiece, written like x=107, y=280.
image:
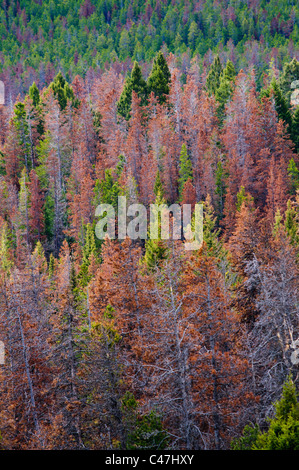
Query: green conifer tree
x=62, y=91
x=242, y=196
x=281, y=106
x=210, y=231
x=143, y=431
x=185, y=169
x=34, y=94
x=6, y=259
x=214, y=76
x=295, y=129
x=21, y=126
x=220, y=188
x=89, y=251
x=159, y=78
x=289, y=74
x=51, y=266
x=156, y=250
x=293, y=173
x=158, y=187
x=283, y=432
x=291, y=224
x=225, y=89
x=134, y=82
x=107, y=190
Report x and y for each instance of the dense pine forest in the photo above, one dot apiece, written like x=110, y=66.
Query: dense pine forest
x=141, y=344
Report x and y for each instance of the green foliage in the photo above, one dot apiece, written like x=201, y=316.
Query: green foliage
x=283, y=432
x=158, y=187
x=51, y=266
x=156, y=250
x=6, y=262
x=134, y=82
x=220, y=82
x=62, y=91
x=21, y=126
x=248, y=438
x=185, y=169
x=214, y=76
x=290, y=74
x=89, y=251
x=120, y=165
x=34, y=94
x=242, y=196
x=220, y=188
x=293, y=173
x=291, y=223
x=106, y=330
x=281, y=105
x=107, y=190
x=283, y=429
x=295, y=129
x=62, y=34
x=210, y=231
x=159, y=79
x=143, y=431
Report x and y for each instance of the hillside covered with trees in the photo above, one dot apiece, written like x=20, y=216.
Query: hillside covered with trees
x=142, y=344
x=41, y=37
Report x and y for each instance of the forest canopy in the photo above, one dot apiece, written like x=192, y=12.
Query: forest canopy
x=130, y=343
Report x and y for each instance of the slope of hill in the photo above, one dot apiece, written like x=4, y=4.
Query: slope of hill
x=132, y=342
x=74, y=35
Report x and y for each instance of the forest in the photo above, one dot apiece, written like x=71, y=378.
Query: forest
x=124, y=344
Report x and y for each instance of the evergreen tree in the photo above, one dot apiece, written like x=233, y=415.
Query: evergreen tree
x=143, y=431
x=159, y=79
x=134, y=82
x=158, y=187
x=21, y=125
x=289, y=74
x=89, y=252
x=243, y=197
x=107, y=190
x=214, y=76
x=226, y=87
x=210, y=231
x=156, y=250
x=248, y=438
x=283, y=432
x=6, y=258
x=293, y=173
x=34, y=94
x=62, y=91
x=291, y=224
x=295, y=129
x=220, y=188
x=281, y=106
x=185, y=169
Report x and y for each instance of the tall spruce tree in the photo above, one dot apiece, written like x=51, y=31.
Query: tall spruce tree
x=282, y=106
x=283, y=432
x=34, y=94
x=134, y=82
x=156, y=250
x=62, y=91
x=225, y=89
x=214, y=76
x=185, y=169
x=295, y=129
x=21, y=125
x=293, y=173
x=159, y=79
